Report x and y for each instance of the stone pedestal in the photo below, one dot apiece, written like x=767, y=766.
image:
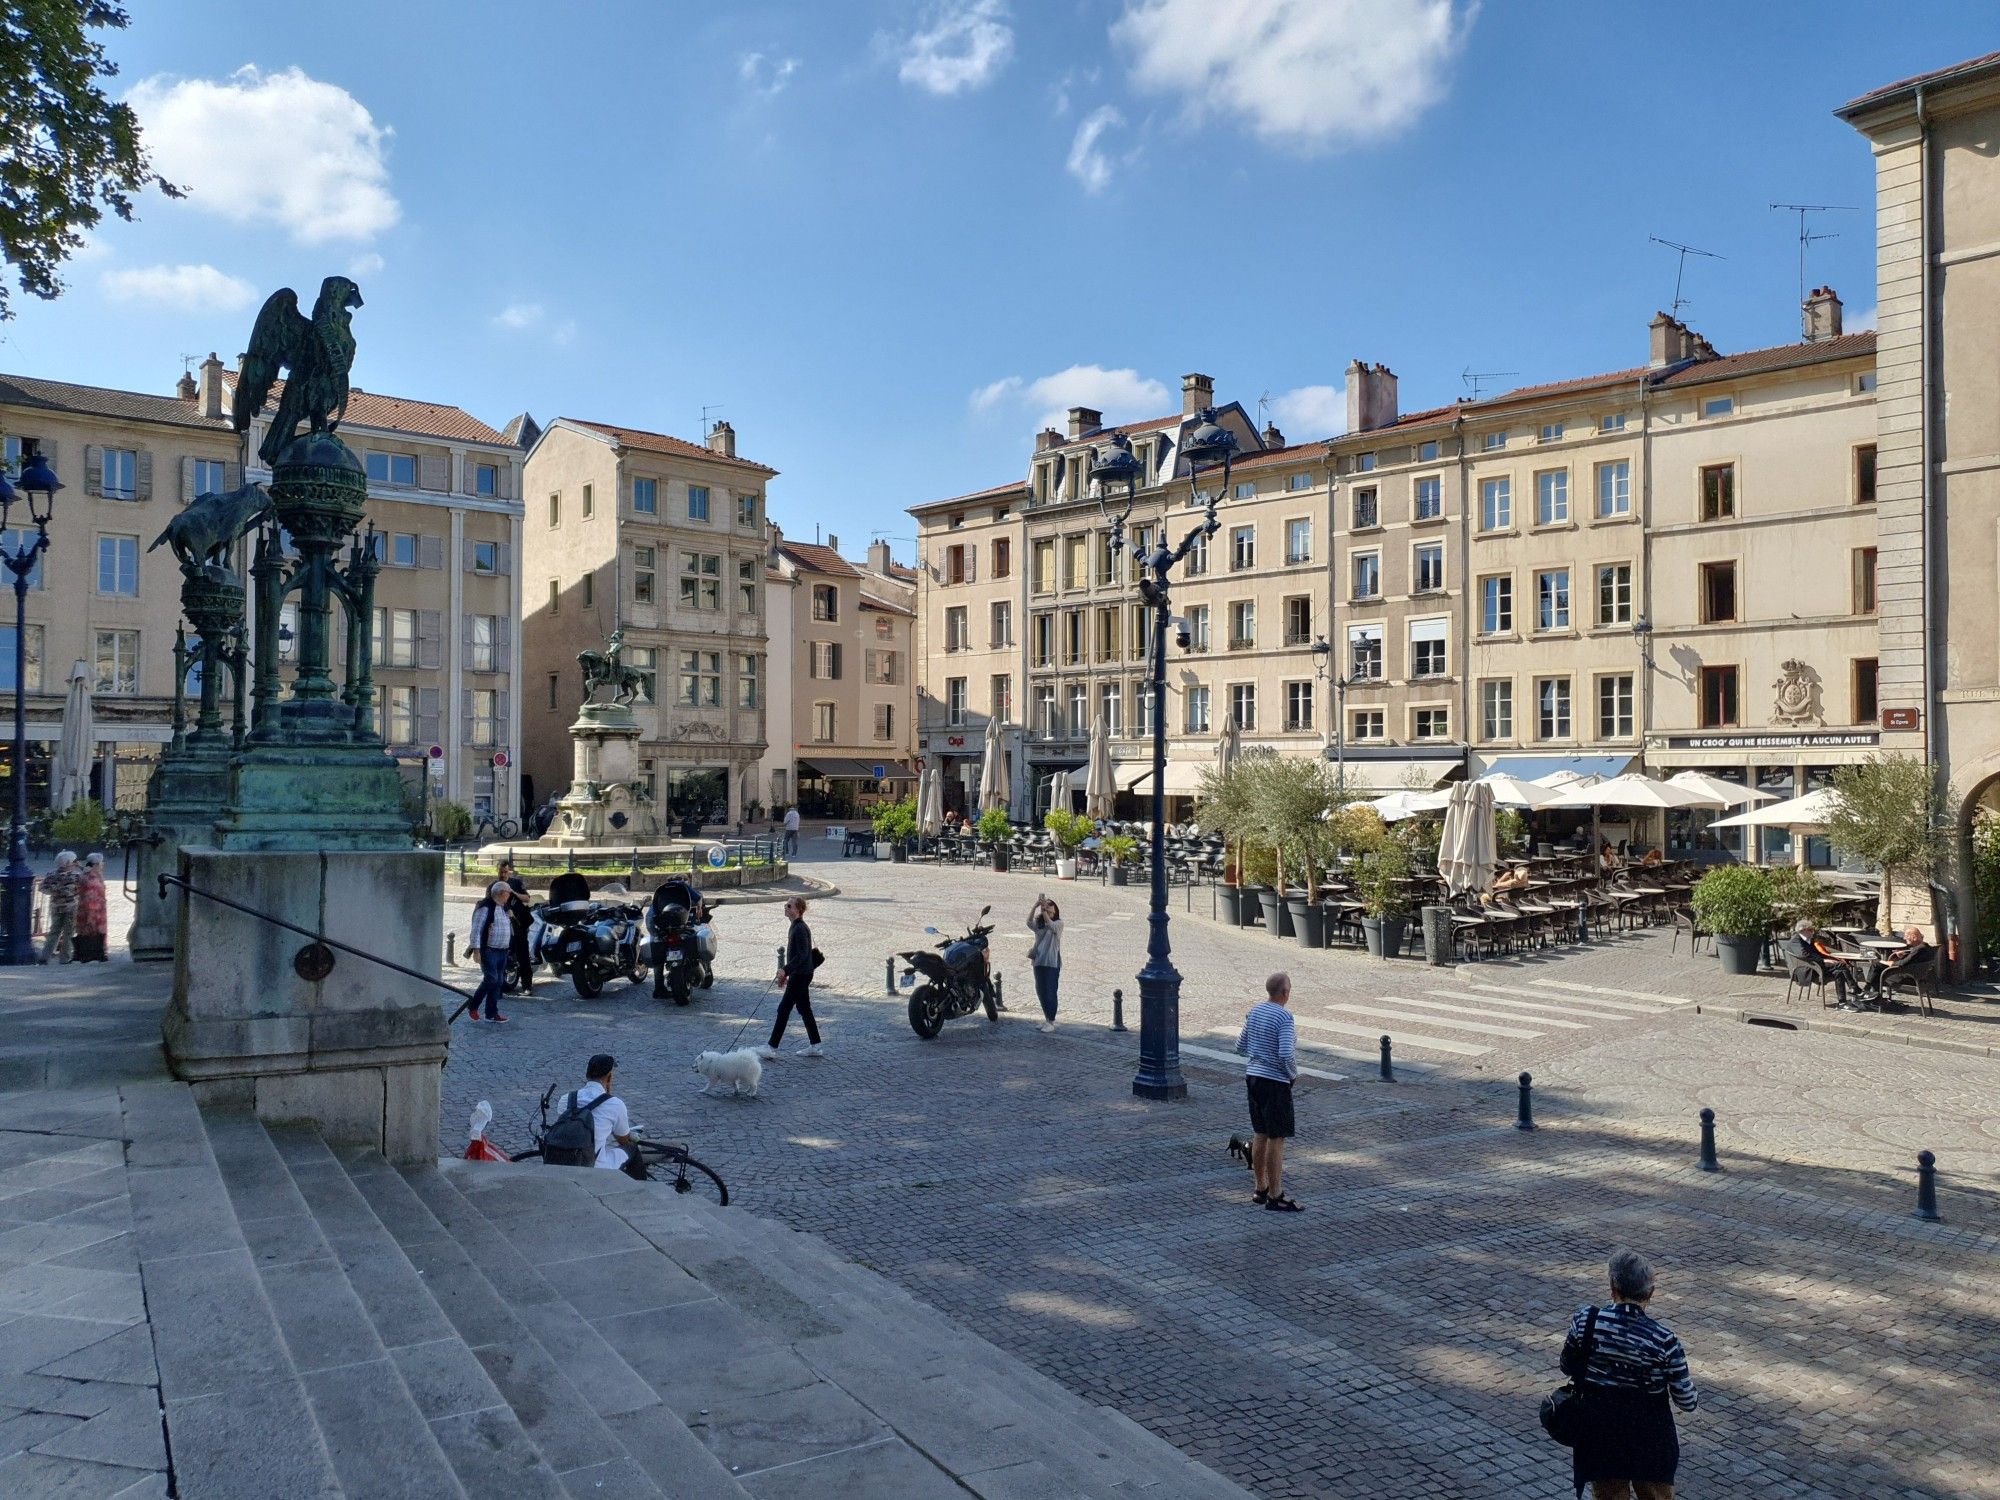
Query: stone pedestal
x=187, y=791
x=358, y=1052
x=346, y=797
x=604, y=804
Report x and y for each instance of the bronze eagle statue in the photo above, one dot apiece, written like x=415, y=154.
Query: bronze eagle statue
x=317, y=351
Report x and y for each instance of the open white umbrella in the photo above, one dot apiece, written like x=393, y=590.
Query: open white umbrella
x=1727, y=793
x=70, y=776
x=1632, y=790
x=1395, y=806
x=1466, y=848
x=1561, y=780
x=993, y=773
x=1099, y=786
x=1807, y=814
x=1511, y=791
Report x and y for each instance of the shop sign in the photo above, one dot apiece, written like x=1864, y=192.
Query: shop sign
x=1902, y=718
x=1858, y=739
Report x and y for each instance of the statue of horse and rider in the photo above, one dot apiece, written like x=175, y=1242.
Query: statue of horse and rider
x=607, y=668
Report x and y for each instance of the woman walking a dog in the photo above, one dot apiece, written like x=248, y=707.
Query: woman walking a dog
x=1045, y=922
x=796, y=977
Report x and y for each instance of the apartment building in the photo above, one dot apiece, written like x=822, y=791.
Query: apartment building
x=663, y=540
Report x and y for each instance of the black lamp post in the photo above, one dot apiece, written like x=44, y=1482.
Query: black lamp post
x=1208, y=448
x=1334, y=736
x=38, y=488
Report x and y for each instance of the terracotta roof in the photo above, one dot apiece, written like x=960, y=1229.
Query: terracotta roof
x=817, y=559
x=1907, y=85
x=1420, y=418
x=99, y=401
x=1578, y=386
x=887, y=606
x=1012, y=487
x=1779, y=357
x=1293, y=453
x=433, y=419
x=659, y=442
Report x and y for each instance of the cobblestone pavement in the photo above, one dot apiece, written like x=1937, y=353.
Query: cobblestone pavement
x=1392, y=1340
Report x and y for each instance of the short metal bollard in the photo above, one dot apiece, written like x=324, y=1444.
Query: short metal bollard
x=889, y=974
x=1000, y=990
x=1708, y=1162
x=1524, y=1116
x=1927, y=1208
x=1388, y=1071
x=635, y=868
x=1582, y=920
x=461, y=867
x=1118, y=1010
x=450, y=949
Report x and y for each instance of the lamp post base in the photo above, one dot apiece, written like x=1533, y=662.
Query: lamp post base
x=1159, y=1075
x=19, y=895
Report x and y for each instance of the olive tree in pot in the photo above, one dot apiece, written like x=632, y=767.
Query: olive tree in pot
x=895, y=825
x=1292, y=798
x=1123, y=851
x=996, y=831
x=1069, y=830
x=1384, y=898
x=1223, y=807
x=1734, y=903
x=1890, y=814
x=80, y=828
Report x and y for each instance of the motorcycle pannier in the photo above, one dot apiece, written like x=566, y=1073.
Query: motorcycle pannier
x=572, y=1140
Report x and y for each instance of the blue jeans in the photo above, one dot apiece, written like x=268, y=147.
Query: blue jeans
x=1047, y=976
x=492, y=980
x=791, y=842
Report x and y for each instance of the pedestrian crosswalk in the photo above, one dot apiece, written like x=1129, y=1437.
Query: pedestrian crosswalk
x=1473, y=1016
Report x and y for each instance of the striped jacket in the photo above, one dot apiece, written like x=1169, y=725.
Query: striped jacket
x=1632, y=1352
x=1270, y=1041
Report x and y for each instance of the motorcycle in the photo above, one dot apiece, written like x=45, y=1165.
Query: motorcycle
x=958, y=979
x=680, y=945
x=591, y=942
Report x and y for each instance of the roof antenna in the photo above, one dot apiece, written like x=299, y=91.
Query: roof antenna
x=1263, y=404
x=1806, y=236
x=703, y=434
x=1680, y=270
x=1476, y=379
x=188, y=362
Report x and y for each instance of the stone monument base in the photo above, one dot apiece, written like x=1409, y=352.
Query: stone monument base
x=358, y=1051
x=183, y=800
x=319, y=796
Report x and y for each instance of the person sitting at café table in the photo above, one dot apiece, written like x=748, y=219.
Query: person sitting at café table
x=1608, y=861
x=1653, y=857
x=1809, y=950
x=1511, y=880
x=1879, y=967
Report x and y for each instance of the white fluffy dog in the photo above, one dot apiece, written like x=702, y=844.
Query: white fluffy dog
x=734, y=1073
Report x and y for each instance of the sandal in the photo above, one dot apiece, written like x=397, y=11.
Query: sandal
x=1284, y=1205
x=1261, y=1198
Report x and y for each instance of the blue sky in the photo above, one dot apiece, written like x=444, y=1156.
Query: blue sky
x=885, y=237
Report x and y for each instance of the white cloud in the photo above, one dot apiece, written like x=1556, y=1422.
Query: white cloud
x=964, y=46
x=516, y=316
x=1311, y=411
x=1308, y=73
x=272, y=148
x=1087, y=164
x=1122, y=395
x=766, y=75
x=184, y=288
x=365, y=264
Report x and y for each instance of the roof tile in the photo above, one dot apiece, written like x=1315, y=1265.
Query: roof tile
x=101, y=401
x=659, y=442
x=817, y=559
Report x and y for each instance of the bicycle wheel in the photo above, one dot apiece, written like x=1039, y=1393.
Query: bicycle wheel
x=673, y=1165
x=532, y=1153
x=506, y=829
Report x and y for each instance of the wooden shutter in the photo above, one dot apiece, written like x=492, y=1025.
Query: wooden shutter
x=93, y=469
x=503, y=563
x=833, y=661
x=465, y=562
x=142, y=483
x=430, y=638
x=433, y=472
x=430, y=552
x=427, y=717
x=232, y=476
x=503, y=639
x=506, y=482
x=501, y=718
x=465, y=712
x=187, y=480
x=467, y=476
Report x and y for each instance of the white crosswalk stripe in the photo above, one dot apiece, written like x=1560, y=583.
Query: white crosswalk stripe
x=1479, y=1010
x=1597, y=989
x=1400, y=1038
x=1372, y=1056
x=1562, y=1005
x=1483, y=1028
x=1216, y=1054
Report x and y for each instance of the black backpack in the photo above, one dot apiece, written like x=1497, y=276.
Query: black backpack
x=572, y=1140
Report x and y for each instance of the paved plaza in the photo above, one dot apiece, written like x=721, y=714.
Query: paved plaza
x=1394, y=1339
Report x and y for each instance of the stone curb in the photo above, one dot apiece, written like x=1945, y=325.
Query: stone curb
x=1848, y=1028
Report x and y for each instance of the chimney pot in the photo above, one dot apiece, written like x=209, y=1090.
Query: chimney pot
x=832, y=542
x=1083, y=421
x=1821, y=315
x=722, y=440
x=1272, y=437
x=1046, y=439
x=1197, y=392
x=186, y=388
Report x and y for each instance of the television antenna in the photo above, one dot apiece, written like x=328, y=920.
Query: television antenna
x=1680, y=271
x=1263, y=405
x=1806, y=236
x=1475, y=379
x=703, y=434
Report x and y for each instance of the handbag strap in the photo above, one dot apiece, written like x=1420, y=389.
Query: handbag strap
x=1589, y=1348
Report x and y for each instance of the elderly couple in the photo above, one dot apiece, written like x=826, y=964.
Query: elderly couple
x=1869, y=975
x=79, y=921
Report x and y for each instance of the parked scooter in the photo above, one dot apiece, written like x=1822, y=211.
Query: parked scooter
x=958, y=979
x=591, y=942
x=681, y=943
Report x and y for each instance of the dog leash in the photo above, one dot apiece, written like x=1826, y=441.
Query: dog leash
x=753, y=1012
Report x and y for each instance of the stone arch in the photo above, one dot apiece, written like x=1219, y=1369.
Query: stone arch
x=1972, y=786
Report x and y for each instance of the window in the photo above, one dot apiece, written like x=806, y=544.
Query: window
x=1140, y=546
x=701, y=677
x=1363, y=462
x=1496, y=710
x=589, y=501
x=1367, y=724
x=1045, y=567
x=1364, y=653
x=484, y=728
x=1003, y=558
x=482, y=643
x=1000, y=695
x=16, y=451
x=117, y=661
x=1298, y=541
x=1366, y=570
x=1000, y=623
x=399, y=715
x=486, y=557
x=1430, y=724
x=1107, y=633
x=1864, y=474
x=15, y=539
x=1298, y=707
x=32, y=650
x=1496, y=605
x=1864, y=383
x=1493, y=442
x=1045, y=640
x=1142, y=708
x=697, y=502
x=1718, y=592
x=403, y=550
x=1079, y=711
x=1429, y=498
x=395, y=637
x=1864, y=580
x=555, y=596
x=1195, y=699
x=555, y=509
x=1718, y=406
x=1427, y=452
x=824, y=661
x=1614, y=594
x=1298, y=620
x=1427, y=649
x=1552, y=497
x=1718, y=492
x=883, y=668
x=486, y=479
x=118, y=566
x=1614, y=489
x=1110, y=706
x=1246, y=490
x=1866, y=703
x=1196, y=562
x=643, y=574
x=211, y=476
x=954, y=701
x=555, y=688
x=1718, y=697
x=957, y=635
x=645, y=660
x=746, y=510
x=1242, y=625
x=1142, y=632
x=646, y=496
x=961, y=563
x=1427, y=567
x=589, y=590
x=1197, y=624
x=393, y=468
x=1044, y=709
x=746, y=584
x=1243, y=704
x=1496, y=504
x=1076, y=562
x=1552, y=599
x=1107, y=569
x=1613, y=423
x=825, y=723
x=1367, y=508
x=1552, y=708
x=826, y=602
x=1242, y=547
x=1072, y=637
x=701, y=581
x=885, y=721
x=1551, y=433
x=1614, y=706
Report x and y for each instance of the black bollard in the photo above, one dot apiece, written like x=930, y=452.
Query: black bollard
x=1927, y=1208
x=1388, y=1072
x=450, y=949
x=889, y=974
x=1117, y=1010
x=1708, y=1161
x=1000, y=990
x=1524, y=1117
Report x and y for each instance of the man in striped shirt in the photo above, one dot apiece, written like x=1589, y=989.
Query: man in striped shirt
x=1637, y=1374
x=1270, y=1042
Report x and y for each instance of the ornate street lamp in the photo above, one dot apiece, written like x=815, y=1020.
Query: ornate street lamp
x=38, y=486
x=1208, y=449
x=1333, y=738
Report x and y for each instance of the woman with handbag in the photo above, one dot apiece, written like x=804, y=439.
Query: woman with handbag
x=1628, y=1374
x=795, y=976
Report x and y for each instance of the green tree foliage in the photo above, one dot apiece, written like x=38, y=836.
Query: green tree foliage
x=451, y=821
x=896, y=821
x=1986, y=879
x=67, y=152
x=1289, y=799
x=1890, y=815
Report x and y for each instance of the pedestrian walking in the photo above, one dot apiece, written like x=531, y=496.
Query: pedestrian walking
x=1045, y=958
x=62, y=886
x=1634, y=1374
x=492, y=936
x=93, y=918
x=791, y=831
x=1270, y=1042
x=517, y=914
x=795, y=974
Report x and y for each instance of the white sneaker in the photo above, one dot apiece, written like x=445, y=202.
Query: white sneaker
x=812, y=1049
x=1046, y=1026
x=767, y=1052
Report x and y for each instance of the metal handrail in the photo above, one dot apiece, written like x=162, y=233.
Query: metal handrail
x=465, y=998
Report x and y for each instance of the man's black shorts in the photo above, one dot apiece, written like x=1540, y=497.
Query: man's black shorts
x=1270, y=1106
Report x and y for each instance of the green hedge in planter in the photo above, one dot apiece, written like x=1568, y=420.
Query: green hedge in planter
x=1378, y=882
x=994, y=826
x=1735, y=901
x=82, y=822
x=895, y=821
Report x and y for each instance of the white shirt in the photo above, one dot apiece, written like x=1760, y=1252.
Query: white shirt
x=608, y=1119
x=792, y=820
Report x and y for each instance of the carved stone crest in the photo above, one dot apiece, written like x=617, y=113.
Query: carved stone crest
x=1798, y=695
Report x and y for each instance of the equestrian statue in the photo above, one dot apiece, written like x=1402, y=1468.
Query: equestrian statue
x=606, y=668
x=317, y=351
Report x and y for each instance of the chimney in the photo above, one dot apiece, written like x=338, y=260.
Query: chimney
x=1674, y=342
x=1822, y=315
x=1699, y=347
x=722, y=439
x=1272, y=437
x=878, y=557
x=211, y=387
x=1083, y=421
x=1046, y=439
x=1371, y=396
x=1197, y=391
x=185, y=389
x=832, y=542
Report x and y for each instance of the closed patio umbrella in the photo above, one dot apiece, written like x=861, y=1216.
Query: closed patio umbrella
x=1466, y=849
x=70, y=776
x=1228, y=745
x=1059, y=791
x=930, y=802
x=1098, y=786
x=993, y=773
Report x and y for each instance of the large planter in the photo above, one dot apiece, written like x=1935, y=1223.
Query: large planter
x=882, y=850
x=1230, y=905
x=1308, y=921
x=1253, y=904
x=899, y=852
x=1002, y=857
x=1065, y=867
x=1118, y=875
x=1277, y=913
x=1384, y=935
x=691, y=827
x=1740, y=955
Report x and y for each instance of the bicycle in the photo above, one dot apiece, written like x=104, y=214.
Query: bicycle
x=495, y=830
x=653, y=1156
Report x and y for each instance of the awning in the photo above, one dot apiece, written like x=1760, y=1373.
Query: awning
x=839, y=768
x=1535, y=767
x=1397, y=775
x=1134, y=773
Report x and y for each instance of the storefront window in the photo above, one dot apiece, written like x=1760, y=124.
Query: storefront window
x=1691, y=829
x=1775, y=844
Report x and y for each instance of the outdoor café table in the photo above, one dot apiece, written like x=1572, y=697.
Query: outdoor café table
x=1883, y=944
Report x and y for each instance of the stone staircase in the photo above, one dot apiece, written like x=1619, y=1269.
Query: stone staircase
x=328, y=1325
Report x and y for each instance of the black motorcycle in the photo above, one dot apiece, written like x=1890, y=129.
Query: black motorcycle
x=591, y=942
x=957, y=979
x=680, y=942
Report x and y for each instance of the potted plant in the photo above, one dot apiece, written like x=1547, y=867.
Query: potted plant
x=1291, y=798
x=1223, y=807
x=1734, y=903
x=1122, y=850
x=1257, y=869
x=895, y=824
x=1510, y=830
x=1069, y=830
x=79, y=827
x=996, y=830
x=1379, y=878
